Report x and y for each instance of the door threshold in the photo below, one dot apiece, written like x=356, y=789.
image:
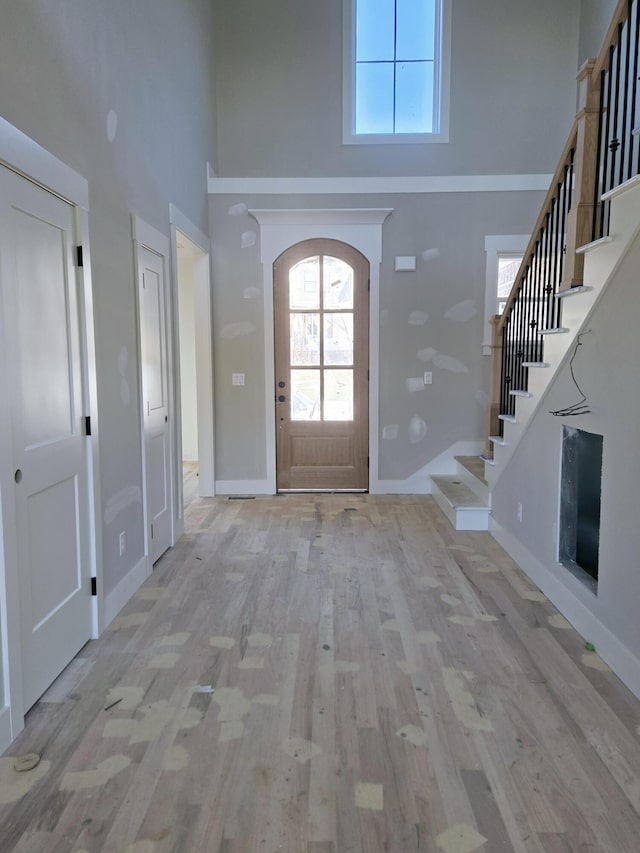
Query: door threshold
x=323, y=491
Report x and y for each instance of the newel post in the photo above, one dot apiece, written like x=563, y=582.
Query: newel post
x=493, y=409
x=580, y=219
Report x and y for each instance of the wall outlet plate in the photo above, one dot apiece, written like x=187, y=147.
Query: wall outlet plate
x=237, y=378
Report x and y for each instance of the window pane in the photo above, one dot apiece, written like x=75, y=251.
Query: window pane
x=416, y=26
x=338, y=284
x=305, y=338
x=374, y=30
x=414, y=97
x=338, y=338
x=338, y=395
x=305, y=395
x=304, y=284
x=374, y=98
x=508, y=267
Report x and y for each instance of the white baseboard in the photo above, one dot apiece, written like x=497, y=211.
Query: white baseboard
x=116, y=600
x=622, y=661
x=5, y=728
x=419, y=483
x=243, y=487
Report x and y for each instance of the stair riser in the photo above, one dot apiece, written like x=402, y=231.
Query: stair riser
x=473, y=483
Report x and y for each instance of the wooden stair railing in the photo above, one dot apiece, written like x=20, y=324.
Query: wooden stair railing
x=602, y=151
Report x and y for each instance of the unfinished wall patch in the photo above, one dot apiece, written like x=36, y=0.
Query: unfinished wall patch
x=447, y=362
x=248, y=239
x=418, y=318
x=460, y=838
x=251, y=293
x=427, y=354
x=430, y=254
x=464, y=705
x=81, y=779
x=414, y=383
x=238, y=209
x=112, y=125
x=417, y=429
x=14, y=785
x=462, y=312
x=390, y=432
x=237, y=330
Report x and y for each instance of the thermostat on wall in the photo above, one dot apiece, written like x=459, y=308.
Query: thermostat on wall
x=405, y=263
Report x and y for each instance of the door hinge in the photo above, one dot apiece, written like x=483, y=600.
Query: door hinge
x=94, y=586
x=87, y=425
x=152, y=531
x=368, y=285
x=367, y=461
x=79, y=258
x=368, y=374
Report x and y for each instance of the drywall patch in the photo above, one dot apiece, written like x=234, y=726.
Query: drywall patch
x=447, y=362
x=414, y=383
x=237, y=330
x=165, y=661
x=390, y=432
x=462, y=312
x=464, y=705
x=106, y=770
x=128, y=698
x=176, y=758
x=121, y=501
x=131, y=620
x=369, y=796
x=248, y=239
x=251, y=293
x=482, y=398
x=260, y=641
x=413, y=735
x=222, y=642
x=14, y=785
x=112, y=125
x=418, y=318
x=460, y=838
x=238, y=209
x=430, y=254
x=175, y=639
x=558, y=621
x=427, y=354
x=300, y=749
x=417, y=429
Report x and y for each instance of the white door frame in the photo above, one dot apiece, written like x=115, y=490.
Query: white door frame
x=21, y=154
x=204, y=360
x=145, y=235
x=360, y=228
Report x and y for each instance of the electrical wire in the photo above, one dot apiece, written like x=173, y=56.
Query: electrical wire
x=581, y=407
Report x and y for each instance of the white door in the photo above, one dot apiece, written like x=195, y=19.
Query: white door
x=43, y=360
x=153, y=335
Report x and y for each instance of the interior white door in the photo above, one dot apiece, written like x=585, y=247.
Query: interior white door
x=153, y=335
x=43, y=360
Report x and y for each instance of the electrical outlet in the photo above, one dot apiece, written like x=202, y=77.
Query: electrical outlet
x=237, y=378
x=122, y=543
x=519, y=511
x=428, y=377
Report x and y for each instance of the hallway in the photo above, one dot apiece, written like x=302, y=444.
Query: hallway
x=330, y=674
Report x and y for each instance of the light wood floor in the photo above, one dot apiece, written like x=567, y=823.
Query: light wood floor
x=381, y=683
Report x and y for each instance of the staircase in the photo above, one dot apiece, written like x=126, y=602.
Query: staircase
x=588, y=221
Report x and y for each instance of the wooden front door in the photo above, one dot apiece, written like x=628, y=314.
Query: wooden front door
x=322, y=365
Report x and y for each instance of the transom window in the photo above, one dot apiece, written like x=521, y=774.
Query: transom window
x=396, y=70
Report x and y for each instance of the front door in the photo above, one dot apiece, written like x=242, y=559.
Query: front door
x=321, y=359
x=43, y=359
x=155, y=389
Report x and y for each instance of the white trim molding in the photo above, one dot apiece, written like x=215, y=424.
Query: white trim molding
x=379, y=185
x=125, y=589
x=360, y=228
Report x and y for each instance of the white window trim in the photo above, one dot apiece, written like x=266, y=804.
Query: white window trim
x=494, y=246
x=443, y=63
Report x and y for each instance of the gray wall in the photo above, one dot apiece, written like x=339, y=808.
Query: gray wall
x=279, y=91
x=595, y=17
x=64, y=65
x=451, y=228
x=606, y=367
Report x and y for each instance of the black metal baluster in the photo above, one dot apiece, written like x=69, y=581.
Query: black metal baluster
x=598, y=221
x=625, y=92
x=614, y=144
x=634, y=95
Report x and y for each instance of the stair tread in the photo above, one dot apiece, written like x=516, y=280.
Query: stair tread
x=474, y=465
x=457, y=493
